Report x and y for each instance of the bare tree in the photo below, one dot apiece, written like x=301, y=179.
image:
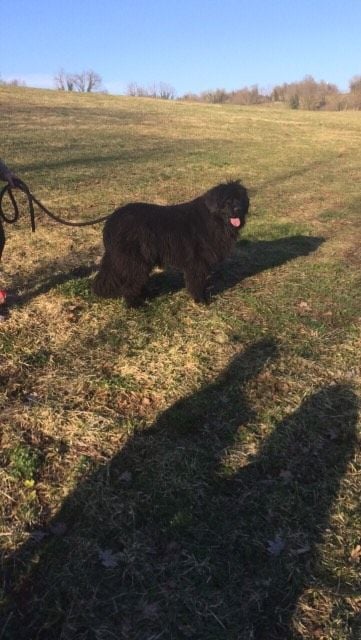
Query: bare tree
x=248, y=95
x=307, y=94
x=355, y=84
x=69, y=82
x=192, y=97
x=14, y=82
x=166, y=91
x=354, y=98
x=94, y=81
x=84, y=82
x=161, y=90
x=137, y=91
x=64, y=81
x=87, y=81
x=132, y=89
x=216, y=96
x=80, y=82
x=60, y=80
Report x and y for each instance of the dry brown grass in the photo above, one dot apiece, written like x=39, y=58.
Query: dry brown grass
x=180, y=471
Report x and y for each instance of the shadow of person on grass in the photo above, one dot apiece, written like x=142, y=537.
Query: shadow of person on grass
x=181, y=535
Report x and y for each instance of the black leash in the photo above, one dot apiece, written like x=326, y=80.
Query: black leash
x=7, y=189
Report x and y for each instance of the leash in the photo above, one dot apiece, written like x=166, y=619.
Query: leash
x=7, y=189
x=14, y=217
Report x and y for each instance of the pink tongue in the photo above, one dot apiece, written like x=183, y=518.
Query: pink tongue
x=235, y=221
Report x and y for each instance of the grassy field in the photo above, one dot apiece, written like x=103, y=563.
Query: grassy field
x=179, y=471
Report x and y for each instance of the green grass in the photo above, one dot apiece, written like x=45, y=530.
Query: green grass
x=23, y=462
x=180, y=471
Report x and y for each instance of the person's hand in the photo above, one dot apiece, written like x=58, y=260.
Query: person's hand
x=9, y=177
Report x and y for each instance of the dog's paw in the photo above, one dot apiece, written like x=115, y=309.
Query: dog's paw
x=204, y=299
x=134, y=303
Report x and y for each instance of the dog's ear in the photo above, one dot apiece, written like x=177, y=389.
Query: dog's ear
x=211, y=199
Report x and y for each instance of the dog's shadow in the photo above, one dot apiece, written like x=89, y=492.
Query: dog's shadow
x=249, y=259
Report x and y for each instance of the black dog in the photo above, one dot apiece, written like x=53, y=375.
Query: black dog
x=191, y=237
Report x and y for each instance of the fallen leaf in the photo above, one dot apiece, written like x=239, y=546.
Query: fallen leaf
x=355, y=555
x=58, y=528
x=150, y=610
x=276, y=546
x=32, y=398
x=38, y=535
x=108, y=558
x=126, y=477
x=332, y=433
x=29, y=484
x=298, y=552
x=286, y=475
x=304, y=306
x=187, y=630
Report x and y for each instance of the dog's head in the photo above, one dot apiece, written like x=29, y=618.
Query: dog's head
x=229, y=200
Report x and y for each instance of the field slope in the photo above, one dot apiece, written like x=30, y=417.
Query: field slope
x=179, y=471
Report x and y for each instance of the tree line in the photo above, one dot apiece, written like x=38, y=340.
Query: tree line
x=305, y=94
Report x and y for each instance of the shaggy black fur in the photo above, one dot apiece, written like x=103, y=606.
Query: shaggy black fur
x=192, y=237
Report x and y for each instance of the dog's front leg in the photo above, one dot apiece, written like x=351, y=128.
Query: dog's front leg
x=196, y=280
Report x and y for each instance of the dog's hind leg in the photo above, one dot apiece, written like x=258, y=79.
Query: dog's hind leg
x=133, y=281
x=106, y=282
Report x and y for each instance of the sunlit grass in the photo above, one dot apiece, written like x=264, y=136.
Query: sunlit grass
x=181, y=471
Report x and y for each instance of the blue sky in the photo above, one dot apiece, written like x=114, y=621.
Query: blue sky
x=194, y=45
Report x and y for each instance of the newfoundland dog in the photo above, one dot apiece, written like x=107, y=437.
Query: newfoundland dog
x=191, y=237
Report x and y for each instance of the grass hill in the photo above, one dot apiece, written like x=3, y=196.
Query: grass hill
x=180, y=471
